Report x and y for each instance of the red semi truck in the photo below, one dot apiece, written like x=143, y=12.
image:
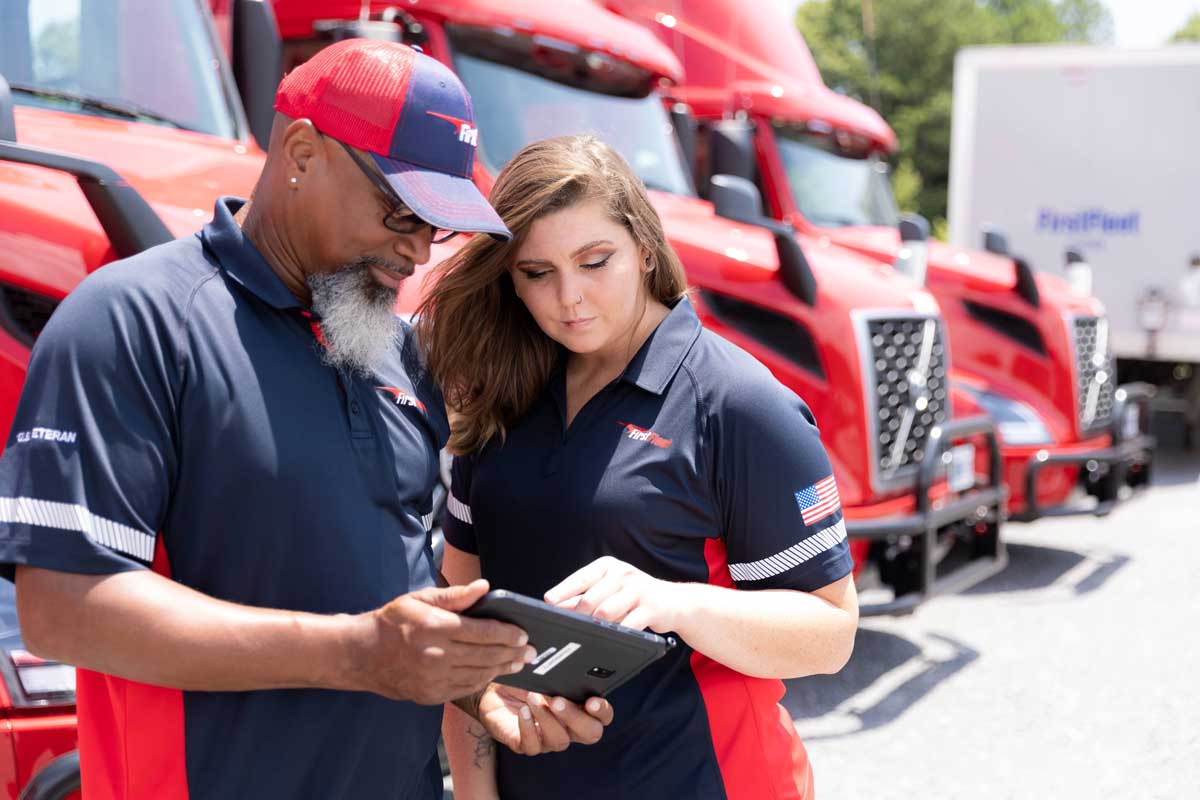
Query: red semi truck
x=817, y=315
x=120, y=125
x=1028, y=350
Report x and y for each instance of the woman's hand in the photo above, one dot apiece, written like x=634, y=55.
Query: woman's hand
x=530, y=723
x=612, y=590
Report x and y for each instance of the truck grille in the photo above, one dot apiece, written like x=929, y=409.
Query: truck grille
x=1095, y=372
x=905, y=365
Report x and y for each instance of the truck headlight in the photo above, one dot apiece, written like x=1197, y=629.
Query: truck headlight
x=1016, y=422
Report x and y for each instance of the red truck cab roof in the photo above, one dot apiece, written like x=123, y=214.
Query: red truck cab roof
x=735, y=64
x=577, y=21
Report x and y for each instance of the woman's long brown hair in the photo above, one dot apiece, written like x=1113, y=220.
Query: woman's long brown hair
x=484, y=348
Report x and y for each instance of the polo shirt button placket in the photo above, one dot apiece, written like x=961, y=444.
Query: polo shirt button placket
x=360, y=426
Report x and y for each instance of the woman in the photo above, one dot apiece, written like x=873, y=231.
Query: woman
x=616, y=458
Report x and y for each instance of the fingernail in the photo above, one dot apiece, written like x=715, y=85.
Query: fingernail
x=522, y=640
x=530, y=655
x=559, y=704
x=526, y=713
x=517, y=666
x=593, y=705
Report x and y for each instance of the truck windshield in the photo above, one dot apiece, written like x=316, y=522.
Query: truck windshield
x=149, y=60
x=834, y=185
x=514, y=107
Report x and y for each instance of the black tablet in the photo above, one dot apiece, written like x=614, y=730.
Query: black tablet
x=577, y=656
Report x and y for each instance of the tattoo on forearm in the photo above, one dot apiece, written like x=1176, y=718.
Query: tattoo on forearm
x=484, y=745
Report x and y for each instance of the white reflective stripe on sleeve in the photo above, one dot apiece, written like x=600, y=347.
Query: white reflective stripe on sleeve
x=820, y=542
x=458, y=509
x=73, y=517
x=427, y=521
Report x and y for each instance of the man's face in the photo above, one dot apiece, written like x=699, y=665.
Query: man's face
x=360, y=261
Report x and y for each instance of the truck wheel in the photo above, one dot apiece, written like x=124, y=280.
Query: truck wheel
x=58, y=780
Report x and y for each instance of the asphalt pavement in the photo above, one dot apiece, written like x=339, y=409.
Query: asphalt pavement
x=1074, y=673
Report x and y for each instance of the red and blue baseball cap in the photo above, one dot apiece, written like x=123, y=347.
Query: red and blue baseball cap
x=410, y=112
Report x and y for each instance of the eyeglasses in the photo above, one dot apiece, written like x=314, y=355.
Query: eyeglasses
x=400, y=219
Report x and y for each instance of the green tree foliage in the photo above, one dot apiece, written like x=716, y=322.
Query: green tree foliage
x=916, y=41
x=56, y=53
x=1190, y=32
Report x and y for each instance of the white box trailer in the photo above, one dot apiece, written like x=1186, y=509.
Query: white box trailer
x=1097, y=150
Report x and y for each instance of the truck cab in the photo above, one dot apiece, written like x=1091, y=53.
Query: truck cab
x=1026, y=348
x=120, y=126
x=814, y=313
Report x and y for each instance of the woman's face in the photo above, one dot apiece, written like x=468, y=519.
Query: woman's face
x=582, y=277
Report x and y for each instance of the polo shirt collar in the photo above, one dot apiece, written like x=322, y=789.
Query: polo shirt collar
x=662, y=354
x=240, y=258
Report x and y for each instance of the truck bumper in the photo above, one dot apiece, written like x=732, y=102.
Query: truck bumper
x=943, y=547
x=1127, y=461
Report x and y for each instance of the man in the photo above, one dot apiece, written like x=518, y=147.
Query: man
x=228, y=529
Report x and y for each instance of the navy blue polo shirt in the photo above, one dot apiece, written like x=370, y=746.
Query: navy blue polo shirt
x=694, y=465
x=177, y=416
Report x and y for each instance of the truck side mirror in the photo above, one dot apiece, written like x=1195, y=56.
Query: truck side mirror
x=995, y=241
x=1079, y=272
x=8, y=122
x=913, y=258
x=685, y=132
x=914, y=228
x=738, y=199
x=257, y=64
x=731, y=149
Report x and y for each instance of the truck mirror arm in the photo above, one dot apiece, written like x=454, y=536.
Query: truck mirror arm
x=129, y=222
x=1026, y=284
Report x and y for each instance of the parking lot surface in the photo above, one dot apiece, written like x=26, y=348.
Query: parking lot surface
x=1072, y=673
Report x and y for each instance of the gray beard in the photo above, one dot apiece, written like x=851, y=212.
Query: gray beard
x=358, y=316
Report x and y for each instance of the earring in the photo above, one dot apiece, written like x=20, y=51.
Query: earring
x=294, y=181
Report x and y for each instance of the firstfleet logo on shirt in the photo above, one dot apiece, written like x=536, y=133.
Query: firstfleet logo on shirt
x=48, y=435
x=644, y=435
x=403, y=398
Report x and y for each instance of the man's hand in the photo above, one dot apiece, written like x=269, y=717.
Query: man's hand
x=530, y=723
x=418, y=648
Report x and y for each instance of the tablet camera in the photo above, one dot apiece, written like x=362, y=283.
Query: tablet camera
x=601, y=672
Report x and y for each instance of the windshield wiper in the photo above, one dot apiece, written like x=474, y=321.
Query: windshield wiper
x=118, y=107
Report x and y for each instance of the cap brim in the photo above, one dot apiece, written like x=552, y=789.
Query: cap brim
x=444, y=201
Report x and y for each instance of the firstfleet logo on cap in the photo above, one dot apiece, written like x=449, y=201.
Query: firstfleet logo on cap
x=467, y=132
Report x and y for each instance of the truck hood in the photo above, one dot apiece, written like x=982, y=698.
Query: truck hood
x=726, y=250
x=977, y=270
x=51, y=239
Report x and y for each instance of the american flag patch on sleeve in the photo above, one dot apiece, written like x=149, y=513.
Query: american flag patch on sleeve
x=818, y=501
